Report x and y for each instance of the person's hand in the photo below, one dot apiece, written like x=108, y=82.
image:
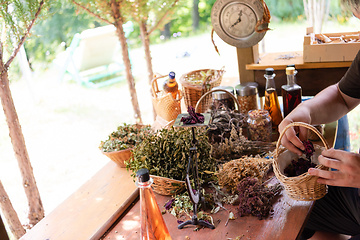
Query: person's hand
x=347, y=165
x=292, y=138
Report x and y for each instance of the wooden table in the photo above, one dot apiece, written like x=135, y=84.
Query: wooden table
x=312, y=77
x=285, y=223
x=107, y=203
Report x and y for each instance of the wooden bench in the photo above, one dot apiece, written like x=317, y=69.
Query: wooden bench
x=88, y=213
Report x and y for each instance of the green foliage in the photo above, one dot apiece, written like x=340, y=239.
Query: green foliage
x=15, y=19
x=286, y=9
x=166, y=154
x=54, y=34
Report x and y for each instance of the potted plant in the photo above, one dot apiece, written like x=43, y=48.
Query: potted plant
x=119, y=144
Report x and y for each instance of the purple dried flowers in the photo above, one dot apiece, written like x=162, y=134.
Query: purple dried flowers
x=169, y=203
x=193, y=117
x=309, y=148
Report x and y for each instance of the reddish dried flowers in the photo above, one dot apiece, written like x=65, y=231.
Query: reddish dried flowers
x=193, y=117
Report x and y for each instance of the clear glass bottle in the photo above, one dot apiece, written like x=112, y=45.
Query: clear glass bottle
x=259, y=125
x=153, y=226
x=291, y=92
x=171, y=86
x=271, y=98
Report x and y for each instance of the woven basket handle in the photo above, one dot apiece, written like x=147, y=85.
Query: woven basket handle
x=154, y=85
x=300, y=124
x=217, y=90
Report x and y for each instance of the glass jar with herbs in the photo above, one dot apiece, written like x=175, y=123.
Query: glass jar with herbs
x=222, y=98
x=259, y=125
x=248, y=96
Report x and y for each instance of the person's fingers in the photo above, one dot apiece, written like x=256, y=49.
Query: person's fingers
x=289, y=145
x=291, y=136
x=330, y=162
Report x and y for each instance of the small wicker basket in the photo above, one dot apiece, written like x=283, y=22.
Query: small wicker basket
x=192, y=92
x=305, y=186
x=165, y=106
x=120, y=157
x=167, y=186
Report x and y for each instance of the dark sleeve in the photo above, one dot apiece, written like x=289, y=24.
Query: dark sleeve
x=350, y=82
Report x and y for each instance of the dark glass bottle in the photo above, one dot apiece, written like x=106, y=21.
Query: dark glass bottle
x=271, y=98
x=291, y=92
x=153, y=226
x=171, y=86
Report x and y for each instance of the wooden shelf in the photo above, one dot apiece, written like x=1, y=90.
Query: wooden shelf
x=278, y=62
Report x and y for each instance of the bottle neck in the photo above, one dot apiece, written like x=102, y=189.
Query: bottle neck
x=144, y=185
x=270, y=82
x=291, y=79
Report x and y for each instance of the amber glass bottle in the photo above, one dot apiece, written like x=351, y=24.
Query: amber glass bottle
x=291, y=92
x=153, y=226
x=171, y=86
x=271, y=98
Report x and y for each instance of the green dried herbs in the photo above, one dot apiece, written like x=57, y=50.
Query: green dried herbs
x=166, y=153
x=126, y=136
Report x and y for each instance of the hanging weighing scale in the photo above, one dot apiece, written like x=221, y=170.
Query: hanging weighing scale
x=242, y=24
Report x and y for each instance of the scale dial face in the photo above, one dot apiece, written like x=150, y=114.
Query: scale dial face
x=234, y=21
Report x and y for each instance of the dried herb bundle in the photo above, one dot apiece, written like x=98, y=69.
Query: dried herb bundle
x=166, y=153
x=226, y=136
x=255, y=197
x=126, y=136
x=231, y=173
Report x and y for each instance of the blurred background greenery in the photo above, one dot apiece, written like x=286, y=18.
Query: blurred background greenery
x=191, y=17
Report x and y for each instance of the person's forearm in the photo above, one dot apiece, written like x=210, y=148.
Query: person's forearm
x=327, y=106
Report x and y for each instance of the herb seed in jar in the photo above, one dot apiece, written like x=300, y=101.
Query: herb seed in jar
x=259, y=125
x=222, y=98
x=247, y=95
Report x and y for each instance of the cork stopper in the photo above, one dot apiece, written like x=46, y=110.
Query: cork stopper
x=290, y=71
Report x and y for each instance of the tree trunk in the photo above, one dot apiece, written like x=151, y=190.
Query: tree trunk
x=195, y=15
x=10, y=214
x=146, y=43
x=125, y=54
x=36, y=211
x=316, y=12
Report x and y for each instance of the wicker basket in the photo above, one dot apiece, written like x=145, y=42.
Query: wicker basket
x=305, y=186
x=167, y=186
x=192, y=92
x=165, y=106
x=120, y=157
x=198, y=104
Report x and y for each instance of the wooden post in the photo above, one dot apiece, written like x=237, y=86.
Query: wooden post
x=3, y=233
x=10, y=215
x=247, y=56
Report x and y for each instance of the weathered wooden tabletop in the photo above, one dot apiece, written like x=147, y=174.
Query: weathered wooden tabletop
x=285, y=223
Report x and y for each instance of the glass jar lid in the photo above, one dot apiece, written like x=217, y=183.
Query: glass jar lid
x=246, y=89
x=221, y=94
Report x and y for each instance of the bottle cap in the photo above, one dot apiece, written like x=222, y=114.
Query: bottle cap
x=269, y=71
x=290, y=70
x=171, y=75
x=246, y=89
x=291, y=65
x=143, y=175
